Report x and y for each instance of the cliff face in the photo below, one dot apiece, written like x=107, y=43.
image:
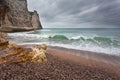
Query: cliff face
x=14, y=16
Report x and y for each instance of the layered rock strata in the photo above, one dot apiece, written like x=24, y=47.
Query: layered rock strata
x=14, y=16
x=12, y=53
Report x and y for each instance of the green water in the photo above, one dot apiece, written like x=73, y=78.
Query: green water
x=91, y=39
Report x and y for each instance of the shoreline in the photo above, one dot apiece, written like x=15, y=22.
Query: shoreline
x=102, y=57
x=94, y=56
x=63, y=64
x=91, y=59
x=104, y=53
x=86, y=57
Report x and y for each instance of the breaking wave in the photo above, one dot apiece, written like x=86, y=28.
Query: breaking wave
x=94, y=43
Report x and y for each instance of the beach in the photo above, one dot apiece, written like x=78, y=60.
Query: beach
x=77, y=41
x=65, y=64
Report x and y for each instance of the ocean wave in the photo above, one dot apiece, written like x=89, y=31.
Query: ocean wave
x=59, y=37
x=97, y=39
x=95, y=43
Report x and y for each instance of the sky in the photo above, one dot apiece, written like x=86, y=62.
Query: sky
x=77, y=13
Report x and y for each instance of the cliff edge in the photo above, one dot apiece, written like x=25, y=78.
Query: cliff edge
x=15, y=17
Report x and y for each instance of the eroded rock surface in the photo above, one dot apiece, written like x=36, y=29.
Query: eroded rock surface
x=14, y=16
x=17, y=54
x=3, y=40
x=12, y=53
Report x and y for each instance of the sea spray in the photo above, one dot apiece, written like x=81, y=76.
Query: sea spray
x=95, y=40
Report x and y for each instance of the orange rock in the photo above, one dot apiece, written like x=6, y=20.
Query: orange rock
x=3, y=42
x=21, y=55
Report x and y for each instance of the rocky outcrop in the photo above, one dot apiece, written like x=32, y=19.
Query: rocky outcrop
x=3, y=40
x=12, y=53
x=14, y=16
x=17, y=54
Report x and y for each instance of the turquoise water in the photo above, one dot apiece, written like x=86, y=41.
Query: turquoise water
x=91, y=39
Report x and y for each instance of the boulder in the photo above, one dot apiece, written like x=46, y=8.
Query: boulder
x=39, y=55
x=3, y=40
x=22, y=55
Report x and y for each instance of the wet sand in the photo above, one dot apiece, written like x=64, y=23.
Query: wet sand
x=65, y=64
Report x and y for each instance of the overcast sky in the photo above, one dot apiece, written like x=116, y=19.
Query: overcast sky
x=77, y=13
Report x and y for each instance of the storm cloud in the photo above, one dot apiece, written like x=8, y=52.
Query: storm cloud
x=77, y=13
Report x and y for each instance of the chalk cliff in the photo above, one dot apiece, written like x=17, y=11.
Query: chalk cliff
x=14, y=16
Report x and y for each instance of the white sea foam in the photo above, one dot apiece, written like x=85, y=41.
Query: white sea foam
x=109, y=50
x=89, y=42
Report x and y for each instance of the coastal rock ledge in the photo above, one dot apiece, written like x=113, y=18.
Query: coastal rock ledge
x=15, y=17
x=13, y=53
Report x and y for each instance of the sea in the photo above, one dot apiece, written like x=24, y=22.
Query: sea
x=100, y=40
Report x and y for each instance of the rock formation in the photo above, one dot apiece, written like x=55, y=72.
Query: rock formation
x=17, y=54
x=12, y=53
x=3, y=40
x=14, y=16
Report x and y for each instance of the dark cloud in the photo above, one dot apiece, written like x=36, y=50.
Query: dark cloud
x=77, y=13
